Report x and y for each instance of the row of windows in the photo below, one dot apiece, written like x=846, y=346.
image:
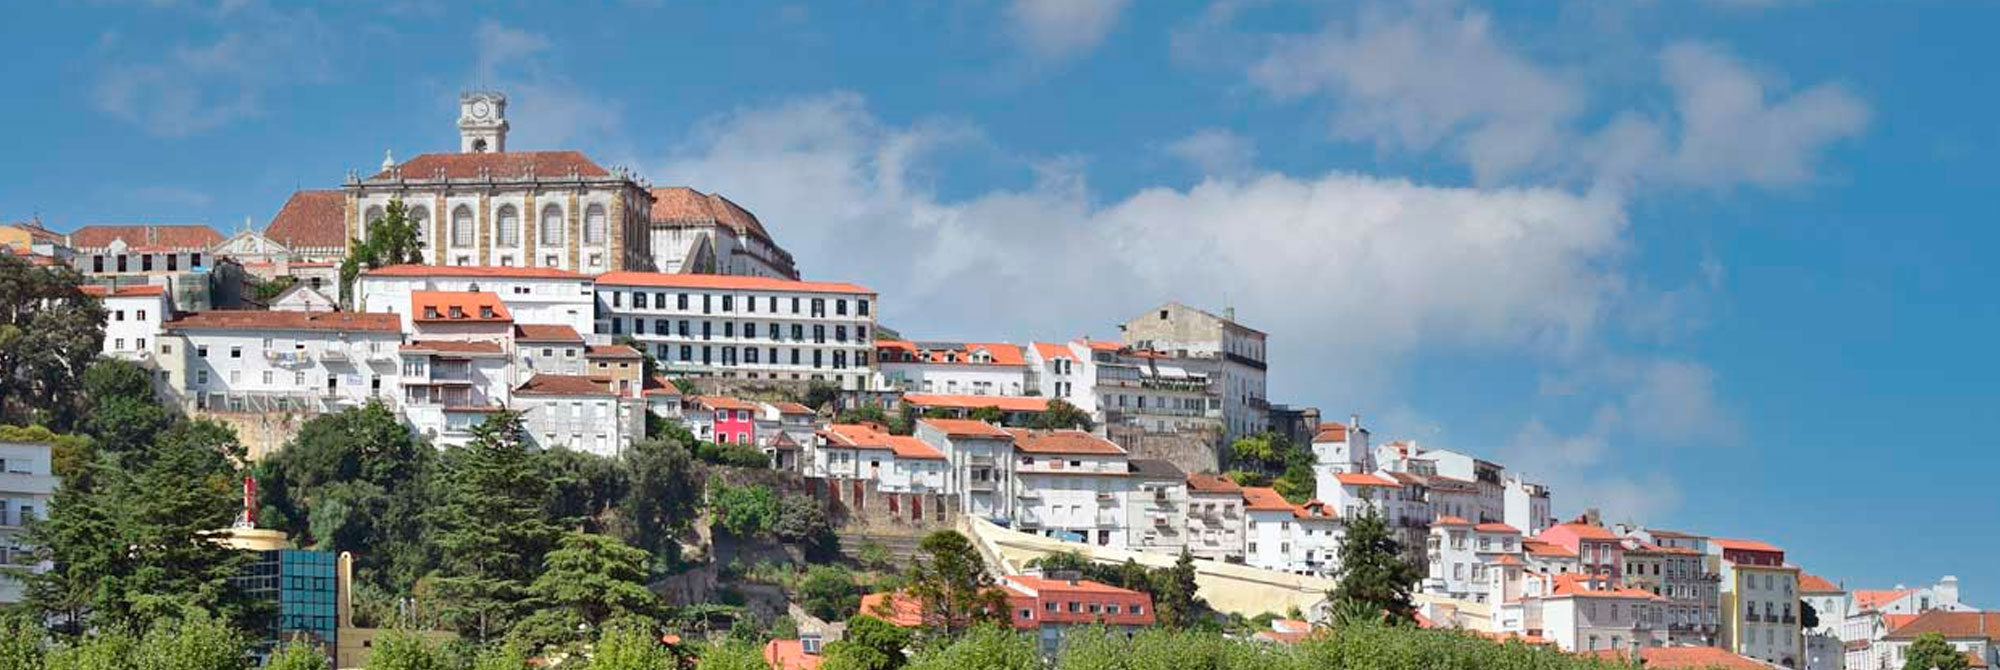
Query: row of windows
x=507, y=228
x=707, y=355
x=728, y=303
x=173, y=262
x=773, y=331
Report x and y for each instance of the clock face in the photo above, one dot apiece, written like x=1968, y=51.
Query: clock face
x=481, y=109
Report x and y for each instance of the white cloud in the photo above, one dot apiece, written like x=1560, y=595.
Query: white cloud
x=1215, y=152
x=1349, y=271
x=202, y=85
x=1058, y=29
x=1730, y=132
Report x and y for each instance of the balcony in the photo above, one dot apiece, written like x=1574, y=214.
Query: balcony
x=288, y=359
x=986, y=486
x=334, y=354
x=1107, y=497
x=1029, y=494
x=980, y=460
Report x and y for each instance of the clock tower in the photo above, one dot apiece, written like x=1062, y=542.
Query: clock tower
x=482, y=122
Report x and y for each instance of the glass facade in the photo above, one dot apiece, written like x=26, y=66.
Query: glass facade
x=300, y=588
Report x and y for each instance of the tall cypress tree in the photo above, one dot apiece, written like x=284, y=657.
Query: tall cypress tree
x=490, y=529
x=1373, y=575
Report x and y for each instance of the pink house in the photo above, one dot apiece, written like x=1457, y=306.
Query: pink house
x=1598, y=551
x=723, y=420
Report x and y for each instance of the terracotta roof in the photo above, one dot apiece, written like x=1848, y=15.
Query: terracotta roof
x=183, y=237
x=1050, y=350
x=1539, y=548
x=610, y=351
x=1728, y=544
x=540, y=332
x=865, y=436
x=1331, y=431
x=1315, y=509
x=1063, y=442
x=454, y=347
x=1265, y=499
x=1212, y=483
x=1584, y=531
x=565, y=385
x=1101, y=345
x=458, y=307
x=1892, y=622
x=727, y=283
x=659, y=385
x=133, y=291
x=1951, y=625
x=966, y=428
x=265, y=320
x=893, y=608
x=1000, y=353
x=1450, y=521
x=502, y=271
x=722, y=402
x=311, y=219
x=1683, y=658
x=1579, y=586
x=1811, y=583
x=792, y=408
x=789, y=655
x=1874, y=599
x=1364, y=479
x=1496, y=528
x=683, y=205
x=1005, y=403
x=506, y=164
x=1504, y=559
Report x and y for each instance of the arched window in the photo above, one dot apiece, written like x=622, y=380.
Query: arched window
x=374, y=214
x=593, y=224
x=461, y=226
x=510, y=226
x=552, y=225
x=420, y=219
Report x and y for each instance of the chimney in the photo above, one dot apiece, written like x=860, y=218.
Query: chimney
x=1354, y=422
x=1947, y=591
x=1229, y=314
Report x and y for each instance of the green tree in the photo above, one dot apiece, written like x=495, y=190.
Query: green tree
x=821, y=395
x=298, y=654
x=987, y=647
x=20, y=643
x=801, y=521
x=402, y=649
x=663, y=497
x=1062, y=415
x=50, y=331
x=1931, y=651
x=829, y=592
x=733, y=654
x=265, y=291
x=987, y=414
x=743, y=511
x=392, y=240
x=105, y=650
x=1808, y=616
x=122, y=415
x=952, y=587
x=357, y=481
x=1298, y=484
x=870, y=644
x=587, y=487
x=196, y=643
x=1175, y=603
x=629, y=648
x=490, y=530
x=1373, y=573
x=589, y=580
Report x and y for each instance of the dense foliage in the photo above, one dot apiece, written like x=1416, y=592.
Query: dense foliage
x=1175, y=604
x=952, y=588
x=1930, y=651
x=50, y=331
x=1374, y=576
x=869, y=644
x=1061, y=415
x=393, y=239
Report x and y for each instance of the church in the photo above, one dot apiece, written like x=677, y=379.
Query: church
x=487, y=206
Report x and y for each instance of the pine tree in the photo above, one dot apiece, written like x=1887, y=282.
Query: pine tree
x=952, y=586
x=392, y=240
x=1373, y=573
x=490, y=530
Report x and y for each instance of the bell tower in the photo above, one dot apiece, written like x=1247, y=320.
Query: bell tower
x=482, y=122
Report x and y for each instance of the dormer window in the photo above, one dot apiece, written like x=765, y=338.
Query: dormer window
x=485, y=312
x=457, y=312
x=430, y=312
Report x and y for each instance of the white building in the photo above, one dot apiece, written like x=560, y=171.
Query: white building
x=895, y=463
x=744, y=327
x=1299, y=539
x=1466, y=558
x=952, y=368
x=577, y=412
x=458, y=365
x=1486, y=478
x=1976, y=634
x=1073, y=485
x=1217, y=347
x=1215, y=520
x=256, y=361
x=1580, y=613
x=1525, y=505
x=132, y=318
x=535, y=296
x=27, y=483
x=1156, y=507
x=705, y=233
x=541, y=349
x=980, y=464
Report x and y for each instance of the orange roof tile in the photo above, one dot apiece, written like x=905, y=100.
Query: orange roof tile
x=1496, y=528
x=1315, y=509
x=1265, y=499
x=1729, y=544
x=1683, y=658
x=1331, y=431
x=893, y=608
x=1212, y=483
x=1364, y=479
x=789, y=655
x=508, y=164
x=455, y=347
x=264, y=320
x=538, y=332
x=727, y=283
x=610, y=351
x=1874, y=599
x=1005, y=403
x=1811, y=583
x=133, y=291
x=1450, y=521
x=966, y=428
x=792, y=408
x=1579, y=586
x=1050, y=350
x=1063, y=442
x=311, y=220
x=183, y=237
x=1539, y=548
x=500, y=271
x=1505, y=559
x=714, y=402
x=565, y=385
x=683, y=205
x=458, y=307
x=901, y=351
x=1584, y=531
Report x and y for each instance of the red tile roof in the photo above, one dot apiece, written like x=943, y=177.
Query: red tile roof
x=1683, y=658
x=1315, y=509
x=1063, y=442
x=1539, y=548
x=727, y=283
x=509, y=164
x=1364, y=479
x=455, y=347
x=185, y=237
x=864, y=436
x=898, y=351
x=539, y=332
x=610, y=351
x=1579, y=586
x=458, y=307
x=1811, y=583
x=565, y=385
x=1874, y=599
x=1050, y=350
x=1728, y=544
x=1450, y=521
x=715, y=402
x=1212, y=483
x=789, y=655
x=1264, y=499
x=263, y=320
x=1952, y=625
x=502, y=271
x=792, y=408
x=683, y=205
x=1005, y=403
x=966, y=428
x=1496, y=528
x=1583, y=531
x=311, y=220
x=133, y=291
x=1504, y=559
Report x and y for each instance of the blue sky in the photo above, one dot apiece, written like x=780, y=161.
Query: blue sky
x=1717, y=266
